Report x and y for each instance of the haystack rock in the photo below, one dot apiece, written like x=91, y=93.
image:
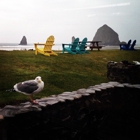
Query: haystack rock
x=107, y=35
x=23, y=41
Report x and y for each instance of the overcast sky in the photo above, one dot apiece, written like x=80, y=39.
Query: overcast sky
x=38, y=19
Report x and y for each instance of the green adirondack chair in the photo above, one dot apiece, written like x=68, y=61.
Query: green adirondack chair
x=81, y=47
x=70, y=48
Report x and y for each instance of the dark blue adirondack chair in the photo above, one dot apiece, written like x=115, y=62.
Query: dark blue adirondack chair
x=71, y=48
x=125, y=46
x=133, y=45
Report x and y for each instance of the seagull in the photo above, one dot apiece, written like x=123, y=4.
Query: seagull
x=136, y=62
x=30, y=87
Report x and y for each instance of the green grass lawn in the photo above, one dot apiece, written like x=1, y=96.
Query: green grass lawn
x=61, y=73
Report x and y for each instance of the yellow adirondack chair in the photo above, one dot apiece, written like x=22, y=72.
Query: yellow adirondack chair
x=45, y=48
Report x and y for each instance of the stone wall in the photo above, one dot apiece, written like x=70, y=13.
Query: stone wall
x=101, y=112
x=123, y=72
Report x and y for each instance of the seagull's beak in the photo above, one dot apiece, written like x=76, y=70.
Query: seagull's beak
x=39, y=81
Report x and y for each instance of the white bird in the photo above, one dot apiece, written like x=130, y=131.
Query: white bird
x=136, y=62
x=30, y=87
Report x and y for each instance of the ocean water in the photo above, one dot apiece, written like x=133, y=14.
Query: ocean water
x=16, y=46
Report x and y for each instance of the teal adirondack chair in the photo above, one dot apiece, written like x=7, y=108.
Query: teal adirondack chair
x=81, y=47
x=71, y=48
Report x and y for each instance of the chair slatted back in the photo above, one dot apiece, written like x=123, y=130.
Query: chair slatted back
x=83, y=44
x=75, y=44
x=49, y=43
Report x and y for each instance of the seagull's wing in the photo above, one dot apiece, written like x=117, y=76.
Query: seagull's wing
x=26, y=87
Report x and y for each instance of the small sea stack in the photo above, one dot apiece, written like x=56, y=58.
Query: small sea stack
x=23, y=41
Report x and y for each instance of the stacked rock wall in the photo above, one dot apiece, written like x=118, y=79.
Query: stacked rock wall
x=123, y=72
x=106, y=111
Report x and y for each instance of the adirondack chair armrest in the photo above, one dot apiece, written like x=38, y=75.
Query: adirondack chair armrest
x=36, y=44
x=70, y=45
x=66, y=45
